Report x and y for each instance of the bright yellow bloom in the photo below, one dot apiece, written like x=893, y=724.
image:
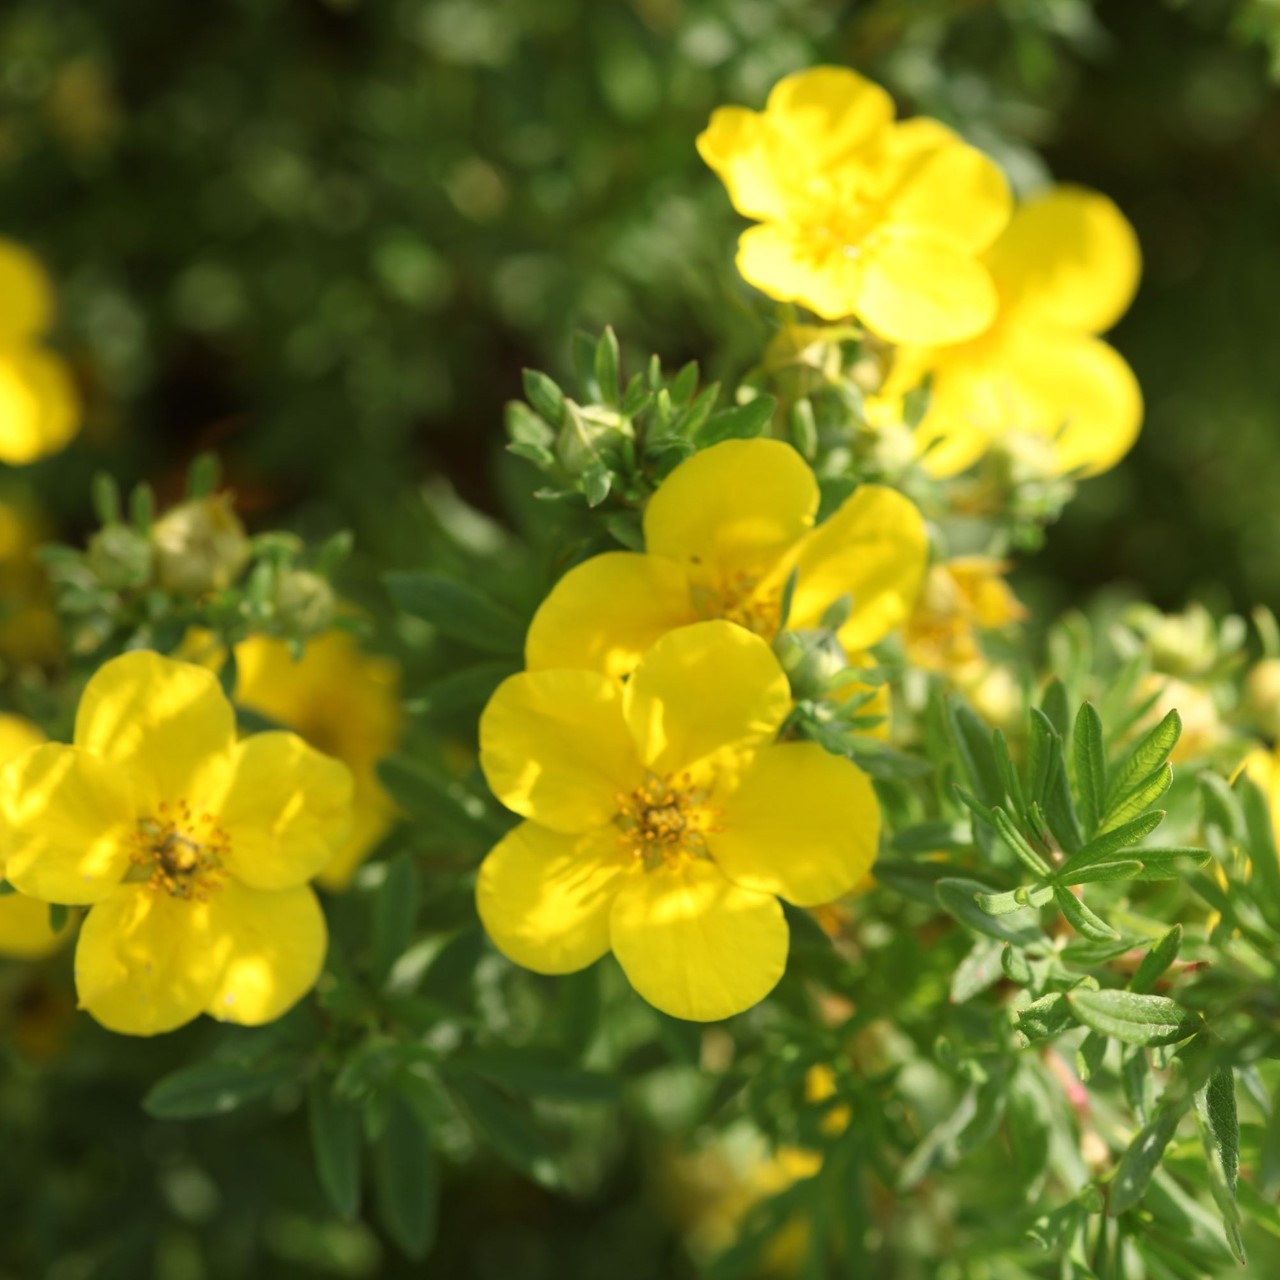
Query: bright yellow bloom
x=662, y=820
x=723, y=533
x=345, y=703
x=192, y=851
x=961, y=597
x=24, y=922
x=1066, y=270
x=39, y=405
x=859, y=215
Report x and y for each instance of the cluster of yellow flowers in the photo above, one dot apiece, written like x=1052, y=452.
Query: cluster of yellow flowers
x=39, y=404
x=914, y=233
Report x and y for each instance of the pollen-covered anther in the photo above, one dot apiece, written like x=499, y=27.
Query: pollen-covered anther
x=738, y=598
x=665, y=819
x=179, y=852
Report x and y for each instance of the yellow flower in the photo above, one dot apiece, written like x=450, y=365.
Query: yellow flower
x=859, y=215
x=961, y=597
x=39, y=405
x=24, y=922
x=28, y=628
x=345, y=703
x=662, y=820
x=1066, y=270
x=191, y=850
x=723, y=533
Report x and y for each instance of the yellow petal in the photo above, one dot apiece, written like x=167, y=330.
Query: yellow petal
x=873, y=549
x=702, y=690
x=24, y=928
x=545, y=898
x=737, y=145
x=274, y=944
x=1070, y=257
x=954, y=194
x=828, y=114
x=791, y=263
x=26, y=297
x=16, y=736
x=802, y=823
x=68, y=818
x=147, y=962
x=693, y=944
x=554, y=748
x=166, y=722
x=952, y=435
x=916, y=289
x=603, y=614
x=287, y=810
x=39, y=404
x=732, y=508
x=373, y=814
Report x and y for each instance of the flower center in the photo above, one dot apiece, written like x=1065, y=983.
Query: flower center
x=179, y=852
x=736, y=598
x=665, y=820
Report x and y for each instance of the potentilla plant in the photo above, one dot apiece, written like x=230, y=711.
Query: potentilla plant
x=732, y=807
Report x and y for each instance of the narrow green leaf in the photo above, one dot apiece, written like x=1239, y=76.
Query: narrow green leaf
x=973, y=742
x=1162, y=954
x=685, y=383
x=741, y=422
x=1139, y=1162
x=408, y=1181
x=458, y=610
x=1219, y=1127
x=1033, y=861
x=1135, y=1018
x=606, y=367
x=337, y=1143
x=212, y=1089
x=958, y=897
x=596, y=482
x=1084, y=921
x=1008, y=773
x=1147, y=755
x=505, y=1128
x=1004, y=904
x=1101, y=848
x=1126, y=869
x=1057, y=707
x=395, y=908
x=1222, y=807
x=537, y=1075
x=1139, y=799
x=1265, y=867
x=978, y=971
x=1046, y=1017
x=1170, y=864
x=544, y=395
x=1090, y=1054
x=1090, y=759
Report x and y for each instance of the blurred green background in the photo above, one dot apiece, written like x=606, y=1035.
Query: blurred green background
x=323, y=238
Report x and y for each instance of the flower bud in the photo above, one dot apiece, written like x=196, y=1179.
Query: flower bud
x=810, y=659
x=584, y=435
x=304, y=602
x=121, y=558
x=1262, y=696
x=199, y=546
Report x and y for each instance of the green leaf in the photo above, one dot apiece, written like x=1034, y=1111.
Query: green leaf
x=505, y=1128
x=1125, y=869
x=1265, y=880
x=537, y=1075
x=59, y=913
x=1143, y=1155
x=1148, y=754
x=1057, y=707
x=1008, y=774
x=337, y=1143
x=980, y=969
x=1162, y=954
x=1033, y=861
x=457, y=610
x=407, y=1179
x=959, y=898
x=1170, y=864
x=741, y=422
x=1222, y=807
x=1090, y=1055
x=1090, y=759
x=1102, y=847
x=1046, y=1017
x=1003, y=904
x=1080, y=918
x=434, y=798
x=1138, y=800
x=596, y=480
x=1219, y=1127
x=1135, y=1018
x=395, y=908
x=973, y=742
x=685, y=383
x=545, y=396
x=213, y=1089
x=606, y=367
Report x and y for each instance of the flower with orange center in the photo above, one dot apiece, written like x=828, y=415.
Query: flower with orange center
x=663, y=821
x=192, y=850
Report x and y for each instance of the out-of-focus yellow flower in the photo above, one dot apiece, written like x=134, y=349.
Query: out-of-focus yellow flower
x=24, y=922
x=1262, y=696
x=39, y=404
x=28, y=628
x=859, y=215
x=1066, y=269
x=1202, y=724
x=345, y=703
x=819, y=1086
x=662, y=820
x=961, y=597
x=723, y=533
x=192, y=851
x=199, y=545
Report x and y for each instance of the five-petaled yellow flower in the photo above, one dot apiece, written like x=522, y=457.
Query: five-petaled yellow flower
x=859, y=215
x=662, y=820
x=192, y=850
x=723, y=533
x=1066, y=270
x=25, y=931
x=39, y=405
